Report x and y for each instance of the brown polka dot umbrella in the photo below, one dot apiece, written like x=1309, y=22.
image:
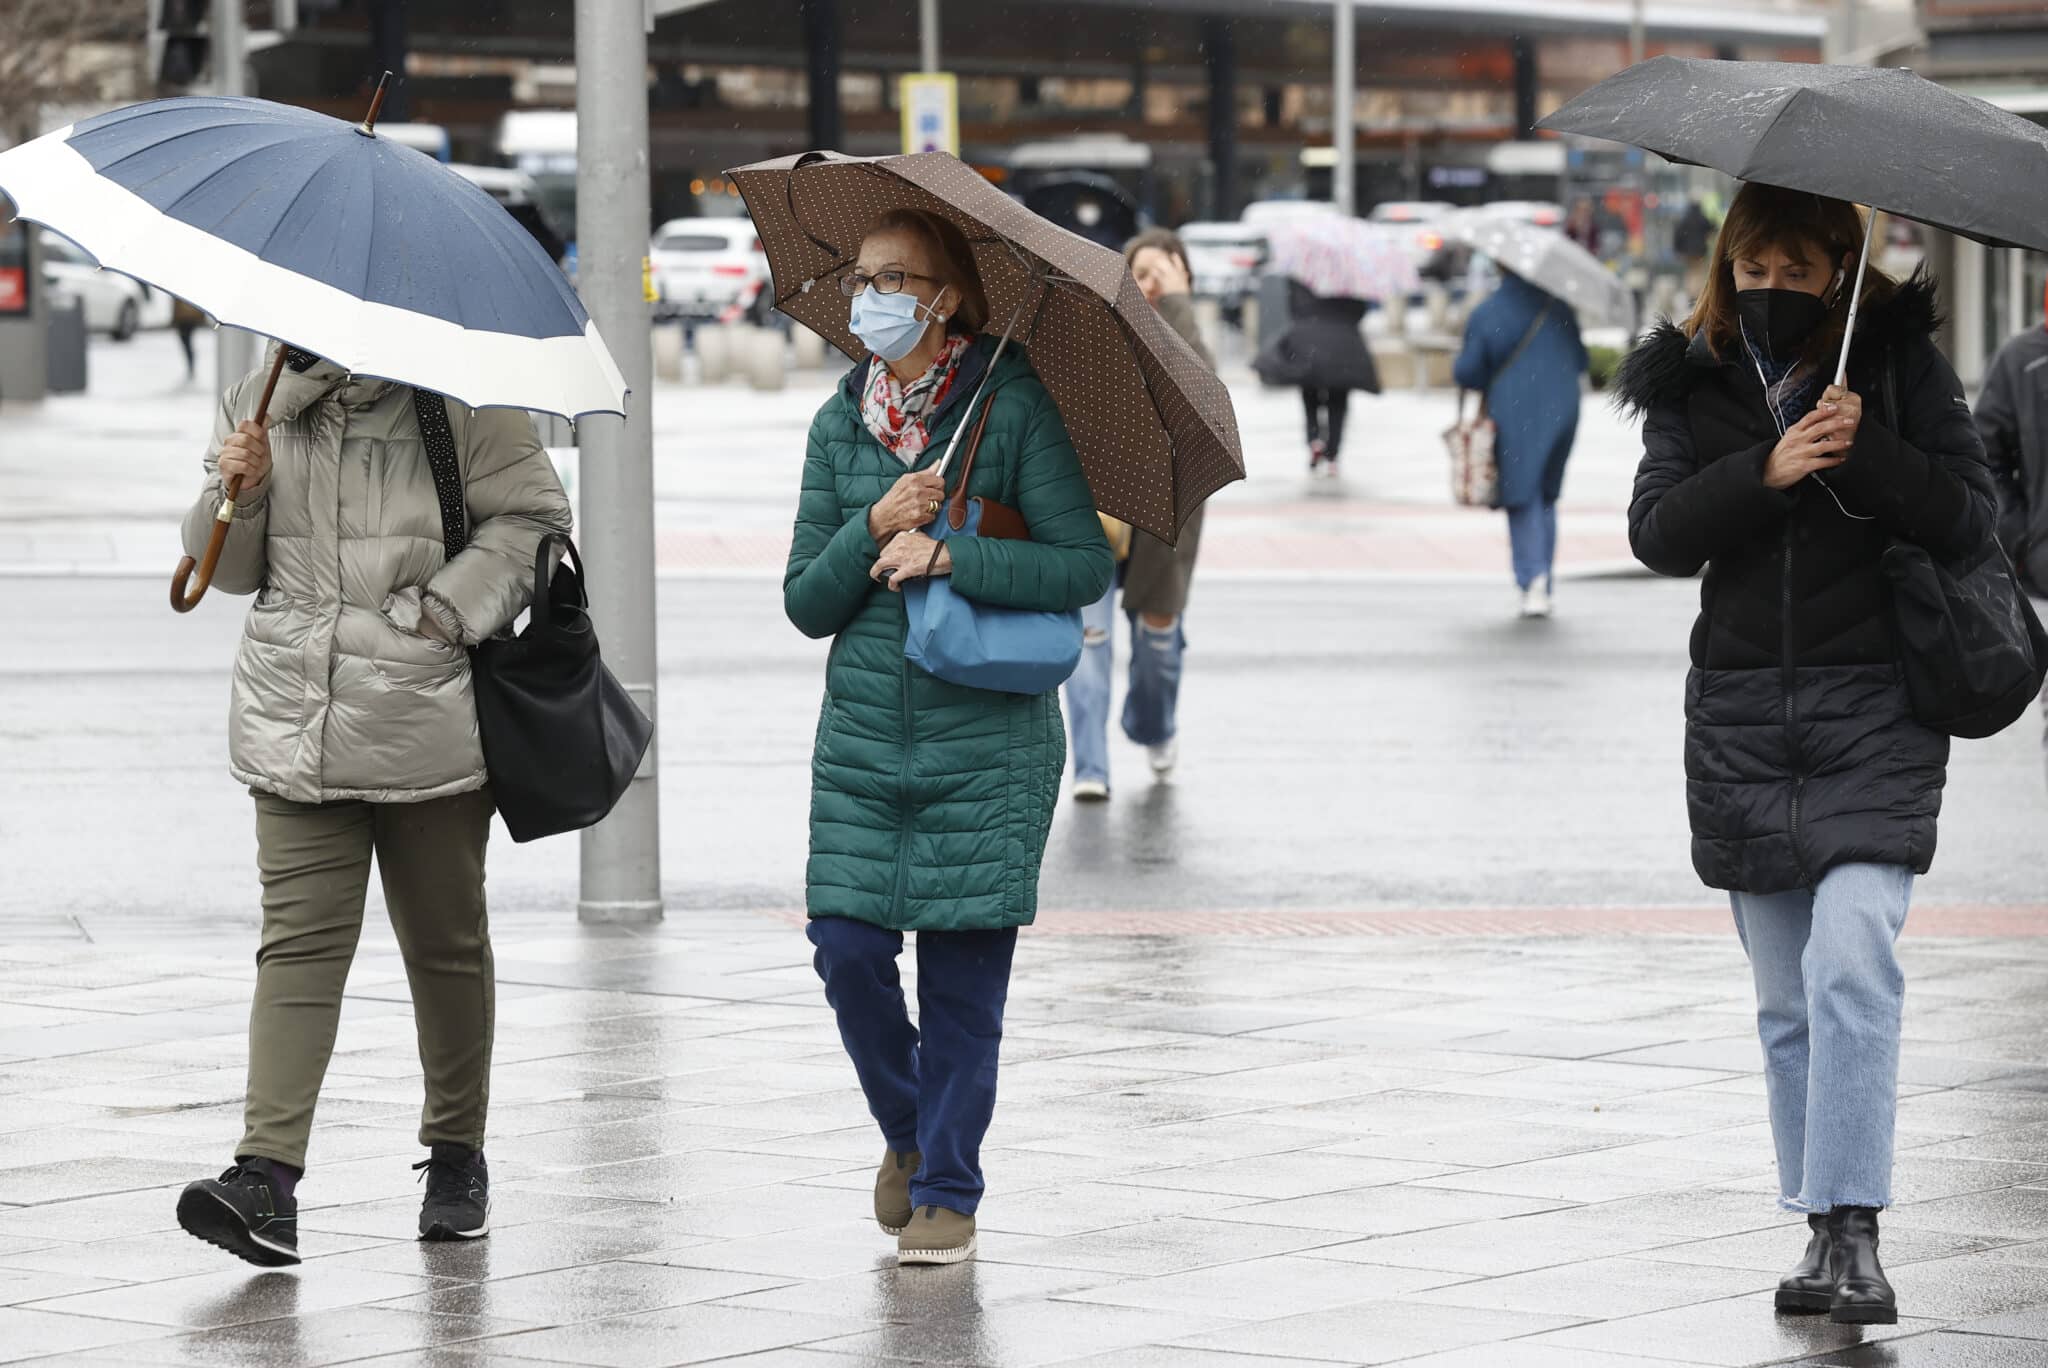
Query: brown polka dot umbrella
x=1153, y=425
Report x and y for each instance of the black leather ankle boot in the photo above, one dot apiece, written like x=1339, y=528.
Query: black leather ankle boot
x=1810, y=1286
x=1862, y=1295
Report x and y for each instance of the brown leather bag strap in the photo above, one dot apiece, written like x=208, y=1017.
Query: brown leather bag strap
x=956, y=509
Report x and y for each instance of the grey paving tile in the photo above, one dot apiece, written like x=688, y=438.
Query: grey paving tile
x=1159, y=1247
x=1487, y=1144
x=1968, y=1285
x=1942, y=1349
x=1739, y=1331
x=515, y=1250
x=512, y=1204
x=1600, y=1289
x=307, y=1341
x=888, y=1293
x=150, y=1258
x=26, y=1333
x=20, y=1285
x=1275, y=1177
x=1601, y=1176
x=1022, y=1335
x=678, y=1335
x=1497, y=1248
x=1778, y=1246
x=2028, y=1324
x=1177, y=1356
x=89, y=1218
x=1522, y=1354
x=2012, y=1214
x=1385, y=1210
x=234, y=1295
x=1375, y=1332
x=1262, y=1289
x=586, y=1292
x=1084, y=1207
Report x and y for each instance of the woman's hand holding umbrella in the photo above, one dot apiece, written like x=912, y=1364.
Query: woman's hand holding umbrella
x=245, y=457
x=910, y=503
x=1819, y=441
x=910, y=556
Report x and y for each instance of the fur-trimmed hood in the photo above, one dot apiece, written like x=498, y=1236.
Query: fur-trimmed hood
x=1666, y=363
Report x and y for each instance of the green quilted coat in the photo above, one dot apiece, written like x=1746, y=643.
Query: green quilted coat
x=930, y=802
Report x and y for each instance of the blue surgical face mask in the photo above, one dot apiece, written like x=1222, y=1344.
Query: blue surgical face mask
x=889, y=325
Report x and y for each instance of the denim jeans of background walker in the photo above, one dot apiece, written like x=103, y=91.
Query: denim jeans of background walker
x=1150, y=702
x=1532, y=540
x=1829, y=998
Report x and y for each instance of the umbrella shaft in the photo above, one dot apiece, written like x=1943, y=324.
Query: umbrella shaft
x=1855, y=299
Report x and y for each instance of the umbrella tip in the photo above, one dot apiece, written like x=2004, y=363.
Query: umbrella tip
x=368, y=127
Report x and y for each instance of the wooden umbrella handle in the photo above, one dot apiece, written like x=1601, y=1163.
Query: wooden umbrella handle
x=223, y=520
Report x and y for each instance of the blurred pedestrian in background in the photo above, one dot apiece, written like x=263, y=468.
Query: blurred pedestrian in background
x=2012, y=417
x=354, y=725
x=930, y=801
x=1322, y=351
x=186, y=320
x=1153, y=576
x=1582, y=225
x=1523, y=352
x=1812, y=787
x=1692, y=239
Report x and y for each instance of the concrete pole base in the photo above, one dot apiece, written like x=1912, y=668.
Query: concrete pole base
x=618, y=913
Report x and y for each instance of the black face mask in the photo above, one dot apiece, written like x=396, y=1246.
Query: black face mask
x=1779, y=321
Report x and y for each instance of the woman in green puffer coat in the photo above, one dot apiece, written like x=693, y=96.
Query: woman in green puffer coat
x=930, y=801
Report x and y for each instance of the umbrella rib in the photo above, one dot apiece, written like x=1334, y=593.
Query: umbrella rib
x=1776, y=119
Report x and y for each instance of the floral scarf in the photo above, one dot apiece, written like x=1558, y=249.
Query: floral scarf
x=896, y=413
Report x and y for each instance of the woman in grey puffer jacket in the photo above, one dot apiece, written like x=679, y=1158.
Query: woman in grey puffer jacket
x=353, y=723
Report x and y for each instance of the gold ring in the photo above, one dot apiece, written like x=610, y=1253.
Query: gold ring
x=932, y=507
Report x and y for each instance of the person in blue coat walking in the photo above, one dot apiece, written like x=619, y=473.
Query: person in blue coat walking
x=1522, y=351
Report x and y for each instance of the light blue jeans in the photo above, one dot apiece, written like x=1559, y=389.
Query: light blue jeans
x=1152, y=696
x=1829, y=996
x=1532, y=540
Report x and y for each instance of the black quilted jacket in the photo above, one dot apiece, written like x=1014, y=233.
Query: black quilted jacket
x=1800, y=752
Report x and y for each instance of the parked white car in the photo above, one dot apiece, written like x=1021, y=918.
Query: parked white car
x=711, y=269
x=1224, y=258
x=114, y=303
x=1262, y=212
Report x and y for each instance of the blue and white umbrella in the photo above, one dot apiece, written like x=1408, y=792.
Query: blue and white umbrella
x=298, y=226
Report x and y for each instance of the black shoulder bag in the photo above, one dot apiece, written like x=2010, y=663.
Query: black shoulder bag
x=1970, y=646
x=561, y=736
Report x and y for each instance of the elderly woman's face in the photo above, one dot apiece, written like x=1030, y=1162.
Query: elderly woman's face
x=886, y=252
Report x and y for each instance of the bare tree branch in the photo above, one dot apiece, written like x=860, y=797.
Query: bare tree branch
x=66, y=51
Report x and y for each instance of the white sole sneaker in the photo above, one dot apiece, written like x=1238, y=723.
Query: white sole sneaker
x=1164, y=758
x=1090, y=791
x=939, y=1256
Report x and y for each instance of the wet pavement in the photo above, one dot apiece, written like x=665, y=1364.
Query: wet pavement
x=1395, y=1029
x=1214, y=1150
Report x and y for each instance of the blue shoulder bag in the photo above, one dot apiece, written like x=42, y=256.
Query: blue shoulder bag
x=1008, y=650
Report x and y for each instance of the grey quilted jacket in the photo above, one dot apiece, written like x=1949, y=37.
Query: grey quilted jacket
x=338, y=694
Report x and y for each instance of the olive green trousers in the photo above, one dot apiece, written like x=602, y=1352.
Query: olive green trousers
x=315, y=860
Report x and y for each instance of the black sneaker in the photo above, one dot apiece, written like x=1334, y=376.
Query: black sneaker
x=246, y=1212
x=458, y=1205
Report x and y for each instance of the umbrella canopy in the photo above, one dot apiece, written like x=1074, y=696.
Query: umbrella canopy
x=1152, y=423
x=1878, y=136
x=1341, y=257
x=304, y=228
x=1550, y=261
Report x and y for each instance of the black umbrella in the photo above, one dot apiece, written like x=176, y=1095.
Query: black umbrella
x=1870, y=135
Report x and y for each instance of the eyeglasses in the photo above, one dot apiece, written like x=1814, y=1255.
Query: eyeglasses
x=885, y=282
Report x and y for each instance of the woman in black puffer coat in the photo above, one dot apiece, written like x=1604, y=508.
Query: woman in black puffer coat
x=1812, y=790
